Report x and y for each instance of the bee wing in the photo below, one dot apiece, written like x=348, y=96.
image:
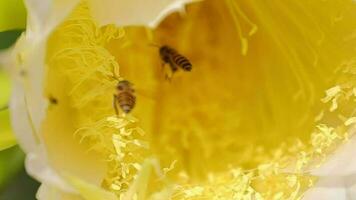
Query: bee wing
x=173, y=64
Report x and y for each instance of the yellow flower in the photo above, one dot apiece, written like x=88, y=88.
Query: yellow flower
x=270, y=99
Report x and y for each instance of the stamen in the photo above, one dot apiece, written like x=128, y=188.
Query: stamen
x=235, y=11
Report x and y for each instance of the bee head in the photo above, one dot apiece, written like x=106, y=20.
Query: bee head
x=164, y=48
x=124, y=84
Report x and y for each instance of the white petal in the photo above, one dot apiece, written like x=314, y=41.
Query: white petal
x=45, y=15
x=351, y=192
x=28, y=106
x=331, y=188
x=20, y=121
x=26, y=83
x=327, y=193
x=134, y=12
x=46, y=192
x=341, y=162
x=37, y=166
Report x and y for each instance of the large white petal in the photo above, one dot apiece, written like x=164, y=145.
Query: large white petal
x=332, y=188
x=341, y=162
x=27, y=68
x=327, y=189
x=19, y=119
x=47, y=192
x=337, y=176
x=37, y=166
x=45, y=15
x=28, y=105
x=134, y=12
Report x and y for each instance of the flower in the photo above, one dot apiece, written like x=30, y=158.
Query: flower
x=269, y=99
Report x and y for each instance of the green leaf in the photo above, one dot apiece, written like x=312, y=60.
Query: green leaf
x=12, y=14
x=11, y=162
x=8, y=38
x=19, y=187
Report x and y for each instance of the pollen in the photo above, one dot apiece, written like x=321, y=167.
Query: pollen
x=270, y=96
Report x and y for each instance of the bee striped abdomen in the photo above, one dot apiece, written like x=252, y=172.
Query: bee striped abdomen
x=125, y=96
x=126, y=101
x=174, y=59
x=182, y=61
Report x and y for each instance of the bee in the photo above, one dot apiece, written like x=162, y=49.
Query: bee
x=174, y=59
x=52, y=100
x=125, y=97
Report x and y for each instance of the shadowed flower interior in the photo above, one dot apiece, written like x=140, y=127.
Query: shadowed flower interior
x=249, y=118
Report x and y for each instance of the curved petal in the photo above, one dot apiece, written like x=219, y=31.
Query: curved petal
x=134, y=12
x=28, y=108
x=20, y=122
x=28, y=105
x=28, y=59
x=47, y=192
x=340, y=163
x=89, y=191
x=37, y=166
x=330, y=188
x=327, y=193
x=45, y=15
x=337, y=176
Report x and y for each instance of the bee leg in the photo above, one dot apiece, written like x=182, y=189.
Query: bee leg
x=165, y=71
x=114, y=102
x=167, y=77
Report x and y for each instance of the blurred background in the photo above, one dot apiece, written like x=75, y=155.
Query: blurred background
x=15, y=184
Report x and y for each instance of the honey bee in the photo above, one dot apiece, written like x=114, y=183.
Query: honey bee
x=125, y=97
x=174, y=59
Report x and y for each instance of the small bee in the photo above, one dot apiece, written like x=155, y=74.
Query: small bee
x=52, y=100
x=125, y=97
x=174, y=59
